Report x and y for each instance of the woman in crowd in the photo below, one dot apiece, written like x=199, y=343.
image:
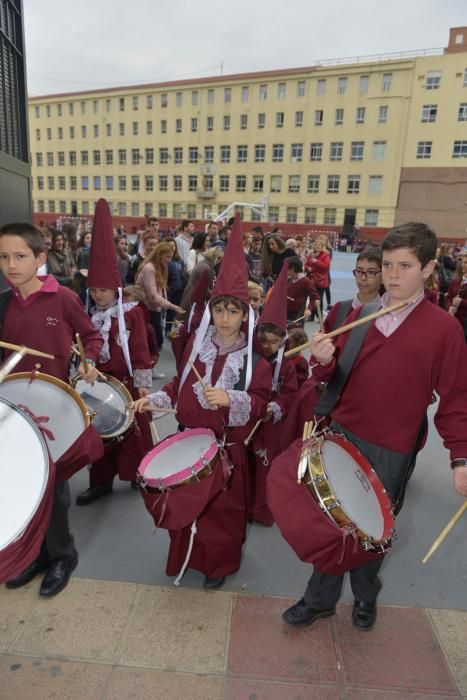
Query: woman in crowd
x=317, y=268
x=274, y=253
x=149, y=241
x=153, y=278
x=176, y=283
x=456, y=297
x=123, y=259
x=58, y=261
x=211, y=261
x=196, y=253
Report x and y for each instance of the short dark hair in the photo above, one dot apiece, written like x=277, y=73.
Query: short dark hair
x=270, y=328
x=258, y=230
x=223, y=231
x=185, y=223
x=416, y=236
x=226, y=299
x=199, y=239
x=371, y=253
x=295, y=263
x=30, y=235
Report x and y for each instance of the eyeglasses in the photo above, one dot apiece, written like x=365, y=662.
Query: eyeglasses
x=365, y=273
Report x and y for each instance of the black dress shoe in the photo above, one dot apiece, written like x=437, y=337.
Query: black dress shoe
x=92, y=494
x=364, y=615
x=36, y=567
x=213, y=581
x=301, y=615
x=134, y=485
x=57, y=576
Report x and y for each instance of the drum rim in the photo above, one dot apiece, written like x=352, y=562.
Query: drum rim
x=120, y=386
x=180, y=477
x=42, y=376
x=46, y=454
x=323, y=490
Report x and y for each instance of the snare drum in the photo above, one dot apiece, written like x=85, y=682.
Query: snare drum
x=180, y=476
x=109, y=404
x=55, y=407
x=25, y=493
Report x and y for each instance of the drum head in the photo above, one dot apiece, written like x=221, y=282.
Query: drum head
x=60, y=409
x=109, y=400
x=24, y=471
x=180, y=452
x=352, y=488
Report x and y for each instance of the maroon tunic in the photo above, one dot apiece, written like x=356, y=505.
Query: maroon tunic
x=458, y=289
x=221, y=527
x=297, y=294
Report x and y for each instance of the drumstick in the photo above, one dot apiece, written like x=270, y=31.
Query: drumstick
x=252, y=432
x=457, y=516
x=156, y=409
x=82, y=353
x=296, y=320
x=198, y=376
x=28, y=351
x=99, y=373
x=290, y=298
x=320, y=315
x=11, y=363
x=349, y=326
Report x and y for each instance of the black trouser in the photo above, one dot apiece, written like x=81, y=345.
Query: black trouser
x=156, y=323
x=59, y=542
x=175, y=297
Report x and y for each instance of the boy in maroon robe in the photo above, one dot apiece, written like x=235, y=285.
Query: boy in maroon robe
x=271, y=333
x=46, y=316
x=406, y=355
x=301, y=293
x=124, y=355
x=236, y=397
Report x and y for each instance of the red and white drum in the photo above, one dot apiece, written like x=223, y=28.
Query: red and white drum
x=338, y=516
x=180, y=476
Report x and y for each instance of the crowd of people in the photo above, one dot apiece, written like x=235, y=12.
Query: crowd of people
x=230, y=304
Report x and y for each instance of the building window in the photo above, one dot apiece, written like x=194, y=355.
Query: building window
x=40, y=205
x=59, y=110
x=224, y=183
x=360, y=115
x=383, y=114
x=163, y=156
x=316, y=151
x=276, y=183
x=72, y=157
x=149, y=101
x=375, y=184
x=245, y=93
x=51, y=183
x=48, y=110
x=84, y=158
x=109, y=157
x=319, y=116
x=227, y=94
x=336, y=150
x=356, y=150
x=321, y=87
x=163, y=183
x=341, y=86
x=164, y=100
x=135, y=128
x=121, y=104
x=424, y=149
x=433, y=80
x=258, y=183
x=122, y=182
x=108, y=105
x=211, y=95
x=135, y=156
x=281, y=91
x=122, y=208
x=39, y=159
x=178, y=126
x=333, y=184
x=353, y=184
x=260, y=152
x=277, y=152
x=71, y=109
x=72, y=133
x=273, y=215
x=108, y=129
x=37, y=111
x=148, y=183
x=364, y=84
x=243, y=121
x=294, y=183
x=226, y=122
x=242, y=154
x=135, y=183
x=162, y=209
x=109, y=182
x=96, y=182
x=179, y=99
x=84, y=182
x=291, y=215
x=464, y=81
x=313, y=184
x=329, y=216
x=122, y=156
x=96, y=130
x=429, y=113
x=261, y=120
x=135, y=208
x=163, y=126
x=255, y=215
x=61, y=157
x=462, y=113
x=378, y=150
x=38, y=134
x=194, y=97
x=387, y=82
x=149, y=128
x=209, y=154
x=371, y=217
x=339, y=117
x=225, y=154
x=178, y=155
x=296, y=152
x=149, y=156
x=40, y=183
x=60, y=132
x=95, y=106
x=208, y=182
x=210, y=123
x=50, y=158
x=83, y=132
x=263, y=92
x=240, y=183
x=193, y=154
x=310, y=215
x=121, y=129
x=148, y=209
x=191, y=211
x=299, y=118
x=62, y=207
x=51, y=206
x=194, y=124
x=279, y=119
x=301, y=88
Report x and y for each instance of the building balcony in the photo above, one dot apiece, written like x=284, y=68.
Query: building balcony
x=206, y=194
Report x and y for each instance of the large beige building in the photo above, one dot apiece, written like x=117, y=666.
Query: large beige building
x=371, y=142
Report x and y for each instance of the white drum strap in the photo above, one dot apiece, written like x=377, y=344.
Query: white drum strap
x=277, y=369
x=190, y=317
x=199, y=337
x=122, y=333
x=188, y=555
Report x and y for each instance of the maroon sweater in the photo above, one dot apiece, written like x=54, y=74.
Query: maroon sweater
x=48, y=320
x=299, y=291
x=392, y=380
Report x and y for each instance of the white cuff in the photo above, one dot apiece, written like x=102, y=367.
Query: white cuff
x=276, y=411
x=142, y=378
x=159, y=400
x=240, y=408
